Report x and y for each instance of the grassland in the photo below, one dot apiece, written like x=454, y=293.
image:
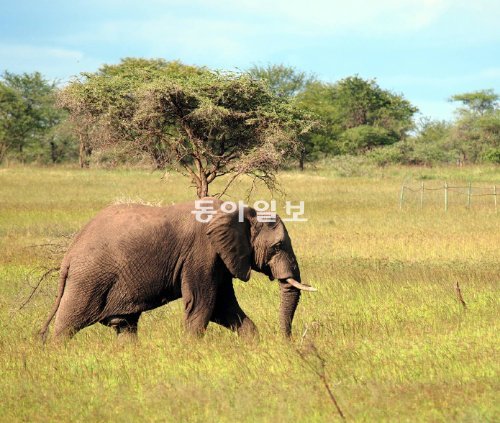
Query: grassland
x=396, y=343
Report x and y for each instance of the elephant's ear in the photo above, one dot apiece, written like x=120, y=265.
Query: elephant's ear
x=231, y=239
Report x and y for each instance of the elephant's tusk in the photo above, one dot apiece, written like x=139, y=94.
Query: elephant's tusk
x=300, y=286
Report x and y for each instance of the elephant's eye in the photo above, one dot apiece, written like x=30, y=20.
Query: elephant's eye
x=277, y=246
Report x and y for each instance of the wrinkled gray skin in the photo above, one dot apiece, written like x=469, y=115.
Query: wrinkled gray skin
x=133, y=258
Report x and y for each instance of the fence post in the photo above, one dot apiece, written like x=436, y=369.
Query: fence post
x=495, y=196
x=445, y=196
x=422, y=196
x=402, y=196
x=469, y=194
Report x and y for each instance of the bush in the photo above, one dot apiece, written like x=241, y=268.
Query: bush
x=364, y=137
x=387, y=155
x=492, y=155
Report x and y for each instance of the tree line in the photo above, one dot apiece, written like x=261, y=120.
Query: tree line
x=212, y=123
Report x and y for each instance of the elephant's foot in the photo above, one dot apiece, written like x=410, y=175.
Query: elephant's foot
x=239, y=322
x=195, y=329
x=248, y=331
x=125, y=330
x=65, y=330
x=127, y=337
x=62, y=336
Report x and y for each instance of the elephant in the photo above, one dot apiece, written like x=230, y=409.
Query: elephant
x=131, y=258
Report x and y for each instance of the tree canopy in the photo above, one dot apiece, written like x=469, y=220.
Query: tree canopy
x=357, y=115
x=28, y=116
x=476, y=134
x=291, y=83
x=477, y=102
x=209, y=123
x=283, y=80
x=473, y=137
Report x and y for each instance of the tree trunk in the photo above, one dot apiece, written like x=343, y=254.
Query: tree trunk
x=202, y=182
x=289, y=299
x=53, y=153
x=81, y=153
x=85, y=152
x=201, y=189
x=204, y=187
x=3, y=151
x=301, y=160
x=21, y=155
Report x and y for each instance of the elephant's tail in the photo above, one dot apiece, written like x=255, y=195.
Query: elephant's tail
x=62, y=284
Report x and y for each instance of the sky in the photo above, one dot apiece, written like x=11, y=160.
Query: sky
x=426, y=50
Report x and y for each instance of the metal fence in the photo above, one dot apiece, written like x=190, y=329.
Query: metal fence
x=468, y=191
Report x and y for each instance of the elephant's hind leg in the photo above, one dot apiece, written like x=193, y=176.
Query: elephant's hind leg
x=64, y=332
x=70, y=319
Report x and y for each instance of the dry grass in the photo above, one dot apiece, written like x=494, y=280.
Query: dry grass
x=397, y=344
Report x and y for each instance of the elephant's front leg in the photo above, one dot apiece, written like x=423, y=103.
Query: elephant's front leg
x=228, y=313
x=199, y=302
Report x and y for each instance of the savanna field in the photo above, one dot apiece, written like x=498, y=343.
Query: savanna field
x=385, y=331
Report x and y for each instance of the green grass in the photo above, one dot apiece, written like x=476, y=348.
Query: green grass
x=397, y=344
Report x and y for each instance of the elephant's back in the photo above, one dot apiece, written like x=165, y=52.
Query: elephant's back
x=129, y=231
x=109, y=226
x=130, y=234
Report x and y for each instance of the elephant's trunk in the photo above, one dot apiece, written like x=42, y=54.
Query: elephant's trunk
x=290, y=296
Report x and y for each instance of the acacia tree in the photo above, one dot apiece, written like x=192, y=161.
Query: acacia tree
x=476, y=133
x=208, y=123
x=477, y=102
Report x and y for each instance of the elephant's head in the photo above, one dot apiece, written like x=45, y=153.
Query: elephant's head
x=244, y=244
